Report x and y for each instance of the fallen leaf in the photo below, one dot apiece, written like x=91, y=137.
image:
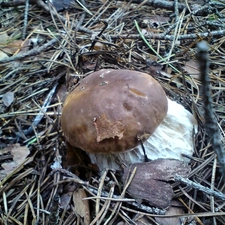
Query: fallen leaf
x=192, y=67
x=143, y=221
x=81, y=206
x=8, y=98
x=159, y=20
x=150, y=182
x=65, y=200
x=3, y=55
x=62, y=92
x=17, y=46
x=153, y=68
x=3, y=37
x=173, y=210
x=19, y=154
x=156, y=20
x=138, y=220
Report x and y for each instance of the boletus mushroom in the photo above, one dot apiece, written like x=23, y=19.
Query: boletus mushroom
x=111, y=111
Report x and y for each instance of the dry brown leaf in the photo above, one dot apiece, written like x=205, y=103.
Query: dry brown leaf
x=62, y=92
x=19, y=154
x=81, y=206
x=8, y=98
x=139, y=220
x=143, y=221
x=16, y=46
x=192, y=67
x=150, y=182
x=173, y=210
x=158, y=20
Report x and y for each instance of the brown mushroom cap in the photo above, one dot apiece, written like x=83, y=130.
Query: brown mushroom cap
x=108, y=110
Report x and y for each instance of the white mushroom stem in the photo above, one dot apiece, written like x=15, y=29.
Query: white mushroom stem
x=172, y=138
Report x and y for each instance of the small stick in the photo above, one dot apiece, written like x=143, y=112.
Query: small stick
x=130, y=202
x=25, y=19
x=104, y=194
x=210, y=120
x=43, y=109
x=32, y=52
x=215, y=33
x=200, y=187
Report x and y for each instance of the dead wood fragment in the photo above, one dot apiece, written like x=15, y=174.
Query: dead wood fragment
x=150, y=182
x=200, y=187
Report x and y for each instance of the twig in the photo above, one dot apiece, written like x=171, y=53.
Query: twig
x=98, y=35
x=212, y=200
x=170, y=5
x=105, y=194
x=161, y=4
x=46, y=8
x=145, y=208
x=200, y=187
x=43, y=6
x=149, y=45
x=210, y=120
x=176, y=11
x=14, y=3
x=217, y=33
x=25, y=19
x=42, y=110
x=32, y=52
x=54, y=210
x=203, y=8
x=118, y=205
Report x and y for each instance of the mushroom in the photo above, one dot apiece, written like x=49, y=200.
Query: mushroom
x=110, y=109
x=111, y=112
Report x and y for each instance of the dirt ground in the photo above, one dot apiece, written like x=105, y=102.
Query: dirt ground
x=45, y=51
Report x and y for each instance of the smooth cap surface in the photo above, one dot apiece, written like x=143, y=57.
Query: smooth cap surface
x=109, y=109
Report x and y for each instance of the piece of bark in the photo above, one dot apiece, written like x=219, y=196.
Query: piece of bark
x=150, y=182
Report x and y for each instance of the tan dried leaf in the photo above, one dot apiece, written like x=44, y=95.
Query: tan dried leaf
x=81, y=206
x=158, y=20
x=174, y=210
x=192, y=67
x=19, y=154
x=17, y=46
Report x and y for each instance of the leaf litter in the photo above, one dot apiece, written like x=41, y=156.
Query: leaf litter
x=62, y=47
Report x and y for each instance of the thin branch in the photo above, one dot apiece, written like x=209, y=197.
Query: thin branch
x=217, y=33
x=200, y=187
x=210, y=120
x=25, y=19
x=32, y=52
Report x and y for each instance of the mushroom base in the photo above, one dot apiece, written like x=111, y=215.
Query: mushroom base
x=172, y=138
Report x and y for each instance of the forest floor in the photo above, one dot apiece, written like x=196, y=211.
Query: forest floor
x=46, y=49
